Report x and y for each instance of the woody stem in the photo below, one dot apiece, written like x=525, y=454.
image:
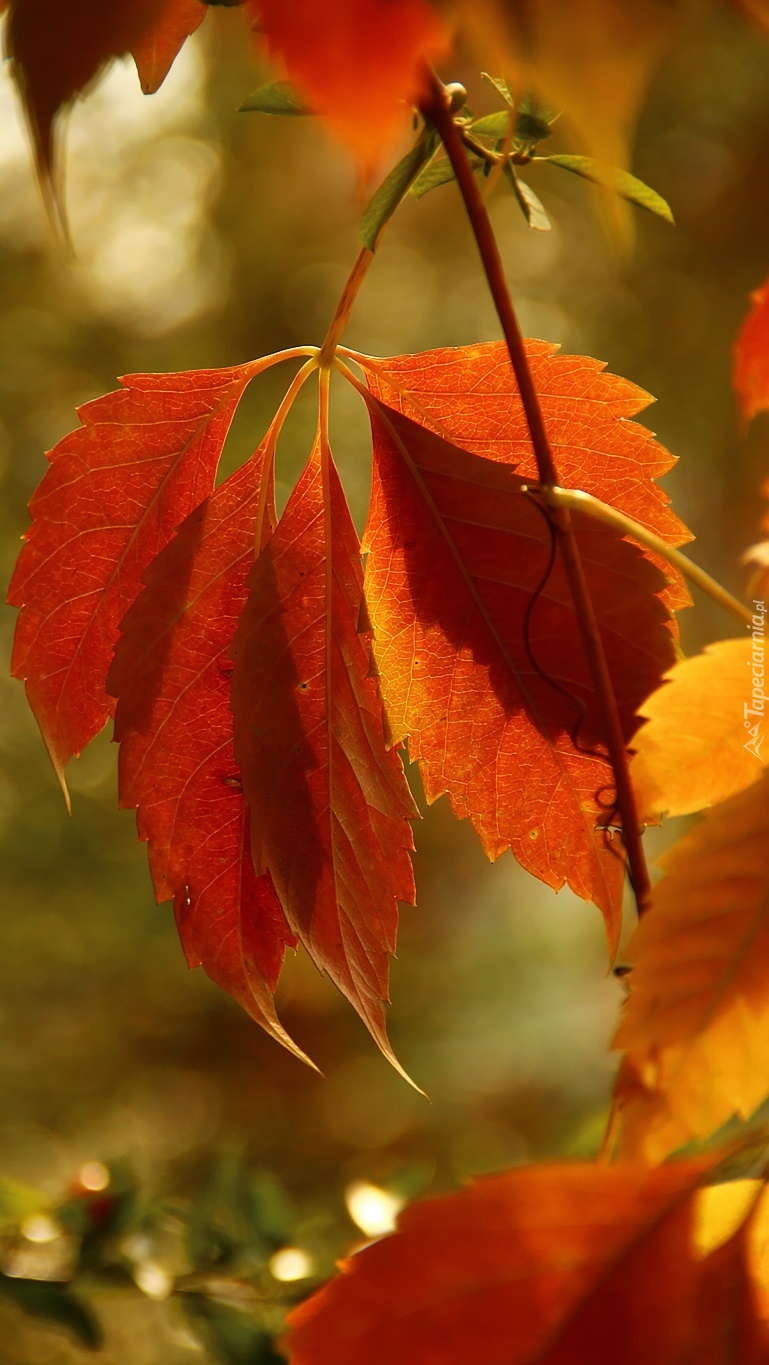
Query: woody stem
x=435, y=107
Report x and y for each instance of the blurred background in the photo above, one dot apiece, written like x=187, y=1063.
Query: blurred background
x=208, y=237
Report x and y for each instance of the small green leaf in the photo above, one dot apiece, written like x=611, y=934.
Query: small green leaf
x=492, y=125
x=531, y=208
x=439, y=172
x=533, y=105
x=622, y=182
x=501, y=86
x=397, y=184
x=530, y=128
x=276, y=98
x=53, y=1302
x=229, y=1333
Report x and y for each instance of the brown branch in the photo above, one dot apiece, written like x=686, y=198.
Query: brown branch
x=436, y=108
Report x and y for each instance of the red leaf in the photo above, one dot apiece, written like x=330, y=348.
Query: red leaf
x=58, y=48
x=157, y=48
x=550, y=1265
x=751, y=358
x=114, y=494
x=329, y=806
x=358, y=62
x=471, y=393
x=172, y=676
x=457, y=564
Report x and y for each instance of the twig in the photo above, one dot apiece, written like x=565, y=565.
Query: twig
x=436, y=108
x=580, y=501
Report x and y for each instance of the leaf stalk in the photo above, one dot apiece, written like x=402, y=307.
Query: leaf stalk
x=579, y=501
x=344, y=307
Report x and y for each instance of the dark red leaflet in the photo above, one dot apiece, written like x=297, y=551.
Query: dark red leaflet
x=172, y=676
x=330, y=807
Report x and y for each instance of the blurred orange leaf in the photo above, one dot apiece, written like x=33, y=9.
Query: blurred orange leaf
x=544, y=1265
x=360, y=63
x=751, y=358
x=702, y=740
x=695, y=1031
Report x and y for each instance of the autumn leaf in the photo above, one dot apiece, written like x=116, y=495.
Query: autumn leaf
x=695, y=1031
x=729, y=1302
x=732, y=1228
x=59, y=48
x=702, y=738
x=116, y=490
x=171, y=674
x=158, y=46
x=756, y=557
x=751, y=358
x=469, y=395
x=544, y=1265
x=360, y=63
x=479, y=654
x=330, y=807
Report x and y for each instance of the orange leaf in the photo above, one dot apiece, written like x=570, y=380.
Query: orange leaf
x=751, y=358
x=114, y=494
x=468, y=618
x=329, y=805
x=360, y=63
x=696, y=1024
x=172, y=676
x=548, y=1265
x=156, y=49
x=469, y=394
x=703, y=734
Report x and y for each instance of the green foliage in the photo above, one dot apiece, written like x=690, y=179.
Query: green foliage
x=55, y=1303
x=622, y=182
x=276, y=97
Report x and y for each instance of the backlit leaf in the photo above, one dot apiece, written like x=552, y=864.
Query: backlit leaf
x=156, y=49
x=702, y=740
x=329, y=805
x=172, y=676
x=696, y=1025
x=471, y=396
x=544, y=1265
x=455, y=556
x=531, y=208
x=360, y=63
x=622, y=182
x=115, y=492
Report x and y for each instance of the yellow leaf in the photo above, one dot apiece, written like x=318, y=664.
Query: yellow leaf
x=696, y=1024
x=704, y=730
